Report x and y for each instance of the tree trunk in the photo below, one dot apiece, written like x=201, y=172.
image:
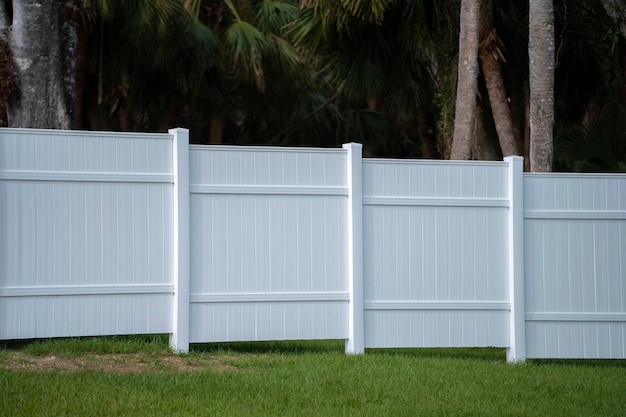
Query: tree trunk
x=43, y=43
x=445, y=68
x=484, y=147
x=527, y=129
x=82, y=47
x=541, y=65
x=7, y=68
x=490, y=56
x=217, y=130
x=175, y=109
x=5, y=17
x=425, y=133
x=464, y=118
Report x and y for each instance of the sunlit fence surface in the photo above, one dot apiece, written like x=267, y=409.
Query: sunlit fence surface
x=128, y=233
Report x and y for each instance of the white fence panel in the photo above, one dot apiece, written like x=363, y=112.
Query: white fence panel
x=85, y=233
x=575, y=230
x=435, y=254
x=268, y=244
x=110, y=233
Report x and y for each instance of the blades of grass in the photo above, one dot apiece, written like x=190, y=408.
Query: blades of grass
x=98, y=345
x=327, y=383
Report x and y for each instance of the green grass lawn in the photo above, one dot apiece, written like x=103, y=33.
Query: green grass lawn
x=143, y=378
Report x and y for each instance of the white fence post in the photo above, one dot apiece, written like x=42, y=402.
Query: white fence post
x=179, y=338
x=516, y=352
x=356, y=340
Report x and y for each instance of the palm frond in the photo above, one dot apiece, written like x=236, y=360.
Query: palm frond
x=245, y=46
x=284, y=59
x=365, y=125
x=312, y=31
x=275, y=15
x=598, y=146
x=417, y=22
x=368, y=10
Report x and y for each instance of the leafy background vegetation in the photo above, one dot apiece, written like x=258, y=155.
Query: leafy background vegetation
x=321, y=73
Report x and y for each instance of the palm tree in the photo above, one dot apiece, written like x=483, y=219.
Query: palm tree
x=600, y=145
x=226, y=69
x=590, y=90
x=491, y=54
x=133, y=47
x=541, y=53
x=465, y=113
x=374, y=57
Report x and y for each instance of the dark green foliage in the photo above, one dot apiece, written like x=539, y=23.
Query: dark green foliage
x=598, y=147
x=313, y=73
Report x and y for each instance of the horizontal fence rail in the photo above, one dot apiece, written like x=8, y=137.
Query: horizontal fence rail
x=129, y=233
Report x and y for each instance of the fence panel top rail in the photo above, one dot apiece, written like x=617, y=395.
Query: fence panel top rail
x=50, y=152
x=243, y=166
x=435, y=180
x=575, y=192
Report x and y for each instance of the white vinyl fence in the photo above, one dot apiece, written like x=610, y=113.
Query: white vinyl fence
x=117, y=233
x=575, y=265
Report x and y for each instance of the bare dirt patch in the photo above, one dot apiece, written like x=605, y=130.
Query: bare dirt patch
x=118, y=363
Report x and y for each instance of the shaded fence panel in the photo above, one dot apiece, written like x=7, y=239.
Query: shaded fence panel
x=268, y=251
x=575, y=230
x=435, y=254
x=85, y=233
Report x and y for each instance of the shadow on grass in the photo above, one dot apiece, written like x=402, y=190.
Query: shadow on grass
x=17, y=344
x=282, y=347
x=337, y=346
x=592, y=363
x=160, y=343
x=489, y=354
x=91, y=344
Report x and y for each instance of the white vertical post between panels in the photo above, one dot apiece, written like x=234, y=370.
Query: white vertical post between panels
x=356, y=341
x=179, y=338
x=516, y=352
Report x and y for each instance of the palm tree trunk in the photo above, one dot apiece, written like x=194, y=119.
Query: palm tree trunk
x=541, y=50
x=492, y=70
x=82, y=45
x=425, y=129
x=464, y=118
x=217, y=130
x=485, y=147
x=526, y=129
